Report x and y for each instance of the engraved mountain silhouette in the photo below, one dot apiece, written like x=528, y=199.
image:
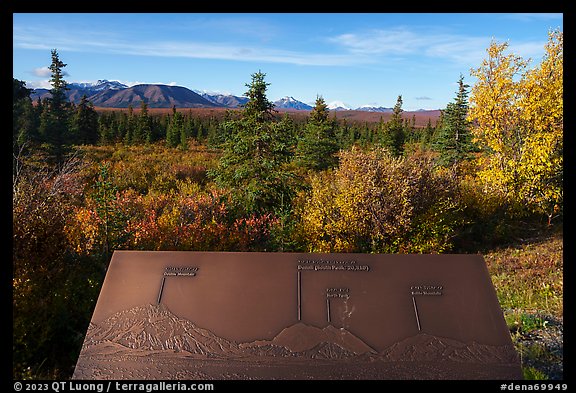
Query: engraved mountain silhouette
x=154, y=327
x=425, y=347
x=311, y=341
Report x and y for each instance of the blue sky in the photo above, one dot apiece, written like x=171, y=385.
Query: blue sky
x=358, y=59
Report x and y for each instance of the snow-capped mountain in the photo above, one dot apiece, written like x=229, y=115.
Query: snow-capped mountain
x=227, y=100
x=114, y=94
x=100, y=85
x=338, y=106
x=291, y=103
x=371, y=108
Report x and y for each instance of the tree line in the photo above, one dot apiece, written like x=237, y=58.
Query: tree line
x=54, y=124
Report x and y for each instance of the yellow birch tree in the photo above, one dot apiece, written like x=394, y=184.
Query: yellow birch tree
x=517, y=116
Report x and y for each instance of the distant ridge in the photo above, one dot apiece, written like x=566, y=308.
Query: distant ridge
x=113, y=94
x=226, y=100
x=156, y=96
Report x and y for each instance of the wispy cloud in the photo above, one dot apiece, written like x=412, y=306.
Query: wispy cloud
x=219, y=51
x=353, y=48
x=400, y=42
x=92, y=42
x=376, y=42
x=423, y=98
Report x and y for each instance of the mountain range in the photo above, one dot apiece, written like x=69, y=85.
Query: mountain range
x=153, y=327
x=113, y=94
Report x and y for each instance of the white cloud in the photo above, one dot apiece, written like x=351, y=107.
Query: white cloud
x=42, y=72
x=397, y=43
x=41, y=84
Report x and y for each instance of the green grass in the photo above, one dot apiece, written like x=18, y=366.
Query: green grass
x=530, y=373
x=528, y=279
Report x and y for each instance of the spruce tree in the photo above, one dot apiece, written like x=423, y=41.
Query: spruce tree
x=130, y=126
x=54, y=118
x=394, y=134
x=454, y=141
x=24, y=117
x=122, y=127
x=427, y=134
x=84, y=123
x=317, y=148
x=142, y=130
x=258, y=107
x=255, y=152
x=105, y=132
x=174, y=129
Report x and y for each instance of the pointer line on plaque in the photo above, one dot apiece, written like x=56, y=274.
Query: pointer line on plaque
x=328, y=309
x=161, y=289
x=299, y=295
x=416, y=313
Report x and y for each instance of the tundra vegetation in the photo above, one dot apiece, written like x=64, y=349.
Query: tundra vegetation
x=486, y=178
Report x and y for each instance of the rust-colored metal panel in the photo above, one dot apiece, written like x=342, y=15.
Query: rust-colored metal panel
x=226, y=315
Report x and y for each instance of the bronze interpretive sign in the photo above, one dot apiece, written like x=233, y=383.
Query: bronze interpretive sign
x=226, y=315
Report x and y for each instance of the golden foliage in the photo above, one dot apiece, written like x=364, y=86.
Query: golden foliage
x=377, y=203
x=518, y=122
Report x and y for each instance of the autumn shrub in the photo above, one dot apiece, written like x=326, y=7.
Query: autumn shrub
x=196, y=221
x=376, y=203
x=53, y=290
x=196, y=173
x=150, y=167
x=199, y=222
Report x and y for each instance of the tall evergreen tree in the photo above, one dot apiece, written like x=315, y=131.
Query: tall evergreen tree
x=254, y=155
x=258, y=107
x=454, y=141
x=394, y=135
x=317, y=148
x=54, y=118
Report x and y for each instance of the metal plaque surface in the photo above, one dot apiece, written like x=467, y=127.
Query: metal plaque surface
x=225, y=315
